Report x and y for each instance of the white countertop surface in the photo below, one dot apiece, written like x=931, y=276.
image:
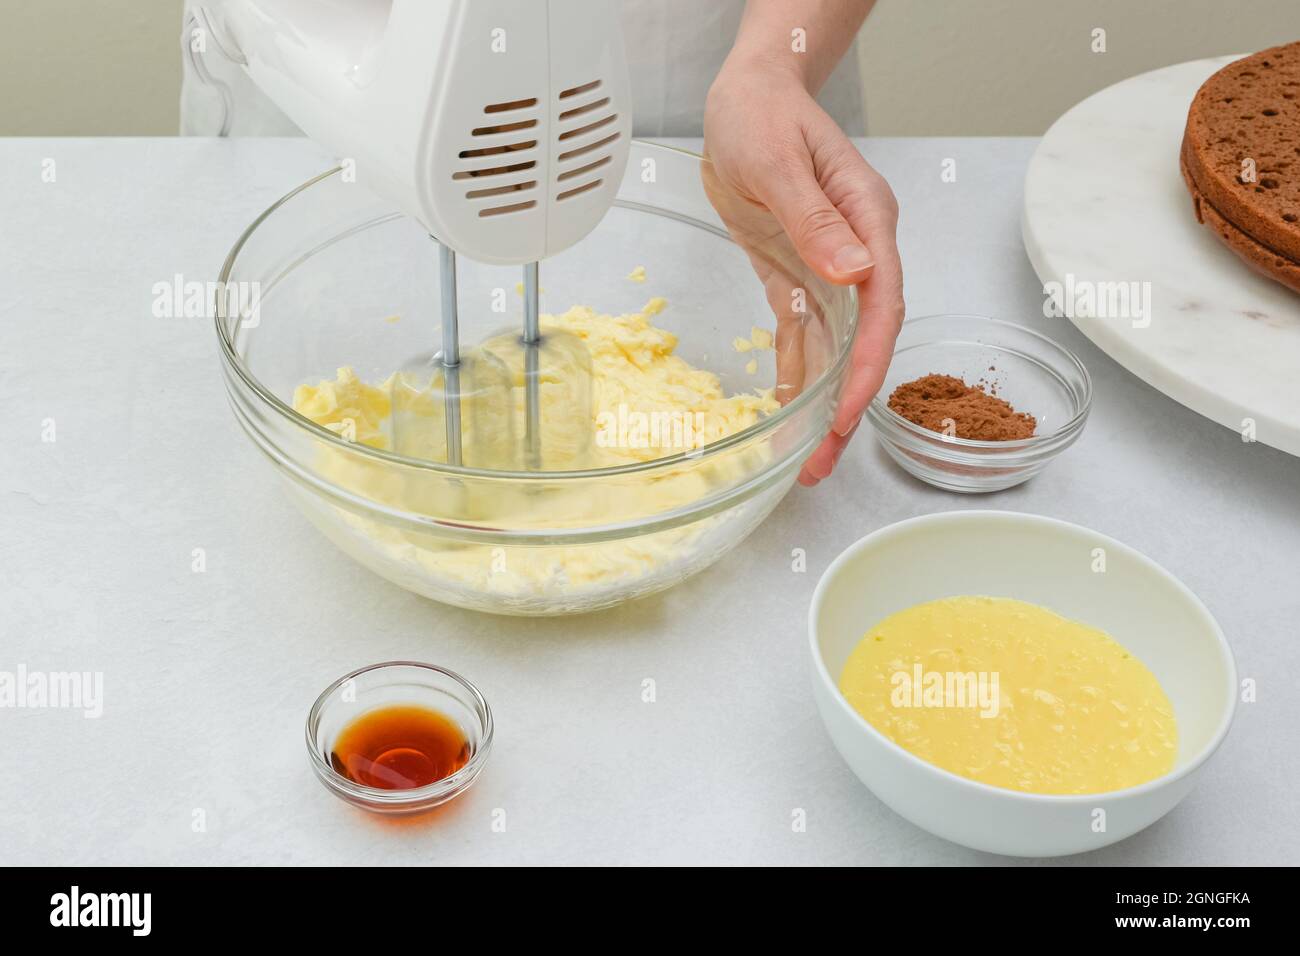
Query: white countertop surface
x=208, y=676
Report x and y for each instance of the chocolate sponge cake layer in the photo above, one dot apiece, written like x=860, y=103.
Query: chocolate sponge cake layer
x=1258, y=257
x=1250, y=111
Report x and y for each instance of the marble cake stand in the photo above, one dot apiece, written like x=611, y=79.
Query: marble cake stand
x=1104, y=203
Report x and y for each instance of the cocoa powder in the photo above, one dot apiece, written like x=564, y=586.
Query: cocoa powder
x=945, y=404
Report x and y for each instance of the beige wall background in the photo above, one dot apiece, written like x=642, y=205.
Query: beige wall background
x=90, y=67
x=1008, y=67
x=931, y=67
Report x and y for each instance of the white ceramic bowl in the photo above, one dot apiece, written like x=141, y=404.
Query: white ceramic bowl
x=1049, y=563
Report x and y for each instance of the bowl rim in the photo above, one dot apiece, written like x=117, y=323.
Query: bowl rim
x=446, y=788
x=974, y=787
x=886, y=416
x=763, y=426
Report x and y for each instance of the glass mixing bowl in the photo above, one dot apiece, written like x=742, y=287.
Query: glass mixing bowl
x=340, y=279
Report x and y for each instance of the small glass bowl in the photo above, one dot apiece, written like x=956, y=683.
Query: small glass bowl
x=1027, y=369
x=398, y=683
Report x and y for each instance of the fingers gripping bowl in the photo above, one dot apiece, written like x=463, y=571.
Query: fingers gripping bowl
x=341, y=281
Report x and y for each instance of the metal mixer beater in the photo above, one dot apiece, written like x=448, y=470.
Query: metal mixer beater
x=501, y=126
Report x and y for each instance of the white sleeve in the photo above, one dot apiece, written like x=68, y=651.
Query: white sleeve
x=675, y=49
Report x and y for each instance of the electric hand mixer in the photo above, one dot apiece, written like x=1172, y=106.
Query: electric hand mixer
x=501, y=126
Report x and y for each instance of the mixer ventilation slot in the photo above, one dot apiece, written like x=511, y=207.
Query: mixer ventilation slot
x=497, y=150
x=510, y=106
x=510, y=116
x=493, y=170
x=503, y=210
x=581, y=170
x=579, y=90
x=505, y=128
x=578, y=190
x=579, y=111
x=583, y=112
x=501, y=190
x=590, y=148
x=589, y=128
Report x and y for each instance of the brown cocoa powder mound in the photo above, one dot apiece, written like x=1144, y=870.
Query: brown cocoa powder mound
x=945, y=404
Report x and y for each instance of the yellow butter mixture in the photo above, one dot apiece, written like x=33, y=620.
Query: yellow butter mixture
x=635, y=380
x=633, y=367
x=1012, y=695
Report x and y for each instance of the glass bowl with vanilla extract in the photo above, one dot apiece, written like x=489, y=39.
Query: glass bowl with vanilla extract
x=1027, y=370
x=400, y=737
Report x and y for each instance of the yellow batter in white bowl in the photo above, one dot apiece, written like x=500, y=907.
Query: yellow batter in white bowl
x=1012, y=695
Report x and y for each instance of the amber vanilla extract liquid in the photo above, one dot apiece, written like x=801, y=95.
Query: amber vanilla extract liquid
x=400, y=748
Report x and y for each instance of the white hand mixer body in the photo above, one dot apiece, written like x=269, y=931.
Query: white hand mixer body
x=502, y=126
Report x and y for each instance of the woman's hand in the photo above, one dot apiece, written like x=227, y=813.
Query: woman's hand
x=772, y=145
